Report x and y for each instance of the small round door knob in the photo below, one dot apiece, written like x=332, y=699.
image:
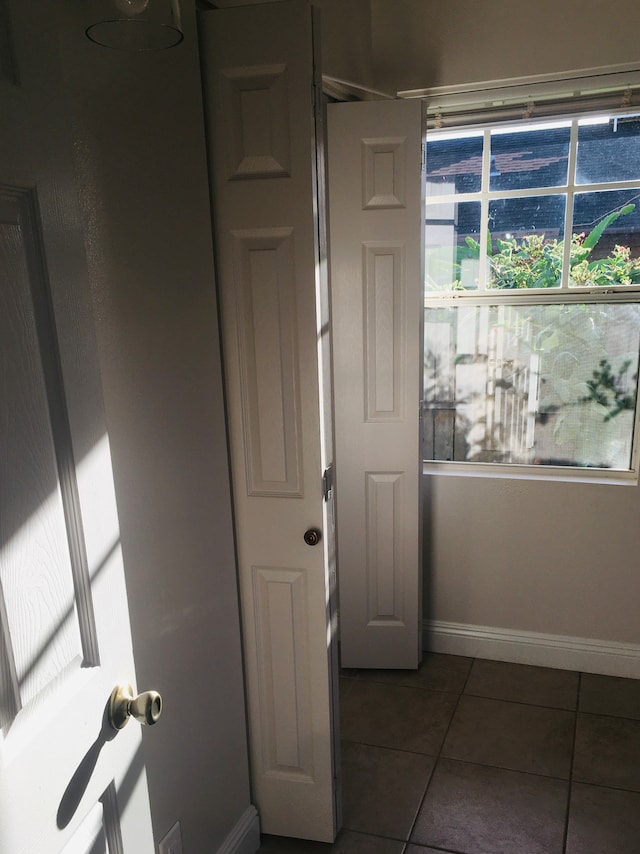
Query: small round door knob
x=146, y=708
x=312, y=537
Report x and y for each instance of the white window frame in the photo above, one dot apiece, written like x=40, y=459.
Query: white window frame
x=561, y=295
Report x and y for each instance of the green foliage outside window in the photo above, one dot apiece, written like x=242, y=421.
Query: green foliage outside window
x=533, y=262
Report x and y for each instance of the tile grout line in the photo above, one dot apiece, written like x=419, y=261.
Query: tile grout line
x=613, y=717
x=477, y=764
x=532, y=704
x=435, y=765
x=520, y=703
x=573, y=754
x=515, y=771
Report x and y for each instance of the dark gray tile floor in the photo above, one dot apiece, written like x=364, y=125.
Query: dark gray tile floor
x=469, y=756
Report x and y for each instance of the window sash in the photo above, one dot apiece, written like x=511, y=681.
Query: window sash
x=512, y=406
x=485, y=196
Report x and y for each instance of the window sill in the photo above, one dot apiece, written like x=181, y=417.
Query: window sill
x=546, y=473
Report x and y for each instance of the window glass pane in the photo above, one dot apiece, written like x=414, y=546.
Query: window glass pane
x=527, y=241
x=535, y=385
x=454, y=165
x=452, y=232
x=522, y=160
x=605, y=247
x=608, y=150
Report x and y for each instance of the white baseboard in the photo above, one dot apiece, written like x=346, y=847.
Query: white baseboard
x=245, y=836
x=567, y=653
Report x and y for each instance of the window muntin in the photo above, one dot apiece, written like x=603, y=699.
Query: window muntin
x=532, y=296
x=528, y=200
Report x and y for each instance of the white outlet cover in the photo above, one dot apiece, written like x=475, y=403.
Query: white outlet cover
x=172, y=842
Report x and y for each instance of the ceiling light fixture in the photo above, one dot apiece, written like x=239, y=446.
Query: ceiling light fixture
x=136, y=25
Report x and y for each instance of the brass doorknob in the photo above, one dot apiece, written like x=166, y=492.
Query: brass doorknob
x=146, y=708
x=312, y=537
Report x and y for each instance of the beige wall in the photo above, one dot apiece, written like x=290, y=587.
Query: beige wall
x=530, y=556
x=142, y=162
x=346, y=40
x=345, y=36
x=423, y=43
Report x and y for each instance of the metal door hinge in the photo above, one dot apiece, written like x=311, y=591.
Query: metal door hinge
x=327, y=483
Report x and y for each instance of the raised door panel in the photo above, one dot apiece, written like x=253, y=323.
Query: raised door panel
x=285, y=698
x=48, y=624
x=259, y=144
x=268, y=354
x=384, y=549
x=384, y=350
x=383, y=172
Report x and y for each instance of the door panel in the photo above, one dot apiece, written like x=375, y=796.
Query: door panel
x=64, y=639
x=43, y=561
x=375, y=217
x=258, y=70
x=266, y=310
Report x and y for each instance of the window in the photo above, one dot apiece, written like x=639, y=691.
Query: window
x=532, y=294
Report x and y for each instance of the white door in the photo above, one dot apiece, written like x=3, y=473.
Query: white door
x=376, y=259
x=66, y=780
x=258, y=71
